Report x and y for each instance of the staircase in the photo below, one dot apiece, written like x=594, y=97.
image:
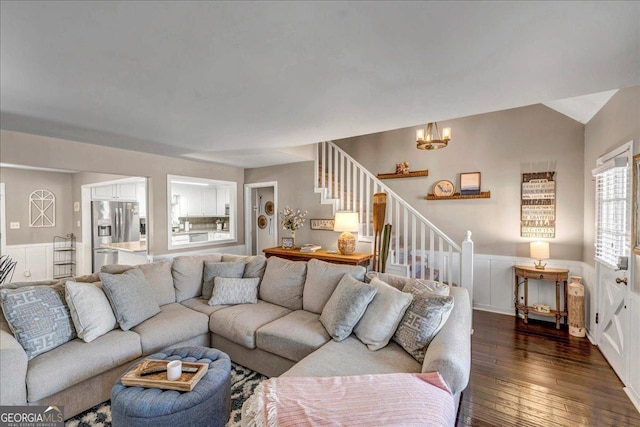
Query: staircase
x=418, y=248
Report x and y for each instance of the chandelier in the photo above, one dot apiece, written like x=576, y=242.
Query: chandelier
x=431, y=139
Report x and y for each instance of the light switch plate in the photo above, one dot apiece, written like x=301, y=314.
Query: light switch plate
x=14, y=225
x=76, y=206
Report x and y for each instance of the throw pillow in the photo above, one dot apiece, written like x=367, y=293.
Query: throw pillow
x=255, y=264
x=346, y=306
x=421, y=322
x=405, y=284
x=322, y=279
x=219, y=269
x=38, y=317
x=382, y=316
x=131, y=297
x=90, y=310
x=283, y=282
x=234, y=291
x=158, y=275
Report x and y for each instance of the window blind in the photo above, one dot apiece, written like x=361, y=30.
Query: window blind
x=612, y=215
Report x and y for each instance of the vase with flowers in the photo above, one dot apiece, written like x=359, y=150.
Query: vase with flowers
x=292, y=220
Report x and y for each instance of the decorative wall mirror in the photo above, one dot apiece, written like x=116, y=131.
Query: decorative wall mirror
x=200, y=211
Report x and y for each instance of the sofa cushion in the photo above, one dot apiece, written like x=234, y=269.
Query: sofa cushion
x=346, y=306
x=406, y=284
x=198, y=304
x=421, y=322
x=239, y=323
x=158, y=274
x=219, y=269
x=187, y=274
x=228, y=290
x=38, y=317
x=322, y=279
x=255, y=266
x=175, y=323
x=77, y=361
x=293, y=336
x=352, y=357
x=283, y=282
x=131, y=297
x=382, y=316
x=90, y=310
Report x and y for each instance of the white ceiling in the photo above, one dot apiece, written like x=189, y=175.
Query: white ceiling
x=231, y=82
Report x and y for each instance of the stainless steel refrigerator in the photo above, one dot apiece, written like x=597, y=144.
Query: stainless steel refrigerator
x=112, y=222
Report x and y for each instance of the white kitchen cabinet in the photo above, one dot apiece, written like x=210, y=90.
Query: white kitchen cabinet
x=141, y=197
x=209, y=201
x=194, y=200
x=126, y=191
x=222, y=200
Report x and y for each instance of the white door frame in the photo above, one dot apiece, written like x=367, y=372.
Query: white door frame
x=248, y=209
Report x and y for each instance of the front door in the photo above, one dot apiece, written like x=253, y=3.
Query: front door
x=613, y=246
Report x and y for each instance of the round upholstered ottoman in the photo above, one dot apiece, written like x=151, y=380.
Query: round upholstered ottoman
x=208, y=404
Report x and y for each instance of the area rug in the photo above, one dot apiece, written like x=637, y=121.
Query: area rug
x=243, y=383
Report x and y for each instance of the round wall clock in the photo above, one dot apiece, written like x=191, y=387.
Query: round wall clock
x=443, y=188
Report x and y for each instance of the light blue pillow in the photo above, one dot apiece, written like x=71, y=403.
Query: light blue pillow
x=38, y=317
x=131, y=297
x=346, y=306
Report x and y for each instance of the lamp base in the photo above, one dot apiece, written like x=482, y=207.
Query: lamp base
x=539, y=265
x=346, y=243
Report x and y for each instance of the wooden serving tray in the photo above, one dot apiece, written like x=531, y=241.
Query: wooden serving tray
x=186, y=382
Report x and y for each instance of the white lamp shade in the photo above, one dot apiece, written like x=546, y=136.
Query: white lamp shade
x=346, y=221
x=539, y=250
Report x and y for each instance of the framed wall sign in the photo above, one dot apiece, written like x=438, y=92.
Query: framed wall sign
x=538, y=208
x=322, y=224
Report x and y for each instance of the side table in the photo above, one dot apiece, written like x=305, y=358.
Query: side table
x=548, y=275
x=321, y=254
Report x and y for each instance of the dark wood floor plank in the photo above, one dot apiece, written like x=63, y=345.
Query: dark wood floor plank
x=535, y=375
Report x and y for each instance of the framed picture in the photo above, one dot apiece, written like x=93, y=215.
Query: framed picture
x=322, y=224
x=470, y=183
x=287, y=243
x=636, y=204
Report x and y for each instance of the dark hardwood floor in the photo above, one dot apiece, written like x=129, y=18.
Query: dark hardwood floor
x=535, y=375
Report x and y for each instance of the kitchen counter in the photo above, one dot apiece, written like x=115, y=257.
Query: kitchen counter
x=139, y=246
x=186, y=233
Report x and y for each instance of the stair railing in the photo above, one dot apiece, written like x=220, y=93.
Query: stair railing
x=419, y=249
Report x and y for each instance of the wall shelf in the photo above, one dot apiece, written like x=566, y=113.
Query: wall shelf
x=412, y=174
x=482, y=195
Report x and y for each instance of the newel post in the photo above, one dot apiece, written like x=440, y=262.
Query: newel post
x=466, y=265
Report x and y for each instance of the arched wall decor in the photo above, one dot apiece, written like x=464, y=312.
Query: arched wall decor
x=42, y=209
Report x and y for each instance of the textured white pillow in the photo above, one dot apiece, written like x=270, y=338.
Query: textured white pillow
x=382, y=316
x=233, y=290
x=90, y=310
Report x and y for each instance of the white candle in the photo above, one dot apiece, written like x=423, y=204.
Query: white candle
x=420, y=135
x=446, y=133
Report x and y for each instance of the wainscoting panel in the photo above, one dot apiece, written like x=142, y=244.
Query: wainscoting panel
x=494, y=283
x=34, y=262
x=633, y=385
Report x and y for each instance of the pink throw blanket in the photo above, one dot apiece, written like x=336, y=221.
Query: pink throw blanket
x=362, y=400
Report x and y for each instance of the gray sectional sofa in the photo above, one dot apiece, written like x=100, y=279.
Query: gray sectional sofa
x=280, y=334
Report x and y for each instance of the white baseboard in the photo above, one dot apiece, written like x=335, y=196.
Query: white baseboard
x=236, y=250
x=635, y=399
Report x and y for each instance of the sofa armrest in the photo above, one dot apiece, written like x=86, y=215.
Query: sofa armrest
x=13, y=374
x=450, y=351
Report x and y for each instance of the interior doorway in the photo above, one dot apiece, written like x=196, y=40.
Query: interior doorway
x=261, y=216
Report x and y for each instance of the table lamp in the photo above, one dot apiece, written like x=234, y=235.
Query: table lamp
x=539, y=251
x=346, y=222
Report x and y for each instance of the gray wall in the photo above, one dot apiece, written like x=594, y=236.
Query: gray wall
x=33, y=150
x=616, y=123
x=19, y=184
x=502, y=146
